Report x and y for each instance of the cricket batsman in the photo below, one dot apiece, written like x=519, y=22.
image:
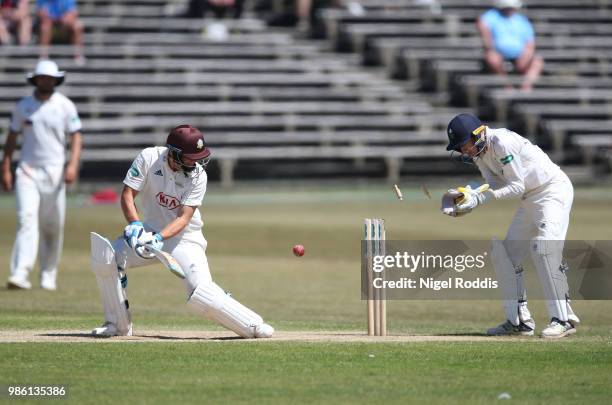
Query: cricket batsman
x=170, y=183
x=515, y=168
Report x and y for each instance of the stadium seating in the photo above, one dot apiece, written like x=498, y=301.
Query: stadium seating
x=436, y=44
x=270, y=105
x=275, y=106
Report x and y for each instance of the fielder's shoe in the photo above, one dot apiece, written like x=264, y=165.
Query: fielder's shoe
x=558, y=329
x=18, y=283
x=525, y=328
x=264, y=331
x=48, y=281
x=109, y=329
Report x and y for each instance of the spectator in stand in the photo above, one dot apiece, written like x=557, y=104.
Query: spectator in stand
x=216, y=30
x=62, y=13
x=310, y=22
x=508, y=35
x=15, y=16
x=199, y=8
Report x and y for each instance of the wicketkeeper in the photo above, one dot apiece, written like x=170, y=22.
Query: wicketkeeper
x=170, y=183
x=513, y=167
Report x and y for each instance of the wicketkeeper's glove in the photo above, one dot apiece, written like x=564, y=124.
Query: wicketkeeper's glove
x=462, y=200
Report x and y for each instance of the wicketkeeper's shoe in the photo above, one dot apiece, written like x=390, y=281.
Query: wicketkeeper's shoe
x=264, y=331
x=558, y=329
x=524, y=328
x=109, y=329
x=18, y=283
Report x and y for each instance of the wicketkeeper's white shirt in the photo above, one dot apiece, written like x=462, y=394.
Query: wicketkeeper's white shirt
x=514, y=166
x=162, y=191
x=44, y=126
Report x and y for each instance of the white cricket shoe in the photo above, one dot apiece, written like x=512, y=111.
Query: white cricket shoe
x=558, y=329
x=263, y=331
x=18, y=283
x=109, y=329
x=48, y=281
x=525, y=328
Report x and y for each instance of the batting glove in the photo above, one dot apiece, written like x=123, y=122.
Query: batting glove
x=132, y=232
x=147, y=239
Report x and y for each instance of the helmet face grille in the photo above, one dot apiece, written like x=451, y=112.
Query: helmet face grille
x=177, y=155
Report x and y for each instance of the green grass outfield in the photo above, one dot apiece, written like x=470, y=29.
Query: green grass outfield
x=250, y=234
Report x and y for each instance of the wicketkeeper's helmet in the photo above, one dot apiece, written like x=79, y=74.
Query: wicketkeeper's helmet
x=461, y=129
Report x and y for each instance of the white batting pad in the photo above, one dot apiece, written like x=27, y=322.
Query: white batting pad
x=213, y=303
x=114, y=298
x=547, y=257
x=510, y=281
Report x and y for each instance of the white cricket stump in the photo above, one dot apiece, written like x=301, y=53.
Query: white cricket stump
x=374, y=235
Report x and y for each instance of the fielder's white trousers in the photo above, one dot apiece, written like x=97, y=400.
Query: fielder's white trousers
x=41, y=207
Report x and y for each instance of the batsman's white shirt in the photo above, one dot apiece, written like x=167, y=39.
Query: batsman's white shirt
x=44, y=125
x=162, y=190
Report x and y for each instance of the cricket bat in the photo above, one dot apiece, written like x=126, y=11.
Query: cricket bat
x=167, y=260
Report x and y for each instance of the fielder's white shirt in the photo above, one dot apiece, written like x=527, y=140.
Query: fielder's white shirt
x=162, y=190
x=44, y=125
x=512, y=165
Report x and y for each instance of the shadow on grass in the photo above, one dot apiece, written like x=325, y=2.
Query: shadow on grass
x=160, y=337
x=462, y=334
x=138, y=337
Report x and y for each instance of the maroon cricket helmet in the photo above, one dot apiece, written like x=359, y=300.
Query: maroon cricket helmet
x=188, y=141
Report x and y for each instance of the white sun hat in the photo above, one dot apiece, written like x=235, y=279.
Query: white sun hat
x=47, y=68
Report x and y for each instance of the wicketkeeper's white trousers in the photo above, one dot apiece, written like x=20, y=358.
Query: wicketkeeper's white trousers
x=539, y=227
x=543, y=212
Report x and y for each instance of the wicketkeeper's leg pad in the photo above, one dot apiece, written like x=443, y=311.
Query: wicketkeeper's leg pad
x=209, y=300
x=547, y=257
x=114, y=298
x=510, y=280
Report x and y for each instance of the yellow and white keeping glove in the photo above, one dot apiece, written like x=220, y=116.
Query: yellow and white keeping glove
x=462, y=200
x=471, y=198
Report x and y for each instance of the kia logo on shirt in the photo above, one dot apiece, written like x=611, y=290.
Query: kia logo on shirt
x=167, y=201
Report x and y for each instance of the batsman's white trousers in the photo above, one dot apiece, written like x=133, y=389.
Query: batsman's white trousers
x=189, y=249
x=41, y=208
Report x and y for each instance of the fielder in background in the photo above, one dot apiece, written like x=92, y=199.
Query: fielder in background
x=514, y=167
x=43, y=119
x=170, y=183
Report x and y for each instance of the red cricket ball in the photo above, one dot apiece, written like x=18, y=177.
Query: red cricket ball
x=298, y=250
